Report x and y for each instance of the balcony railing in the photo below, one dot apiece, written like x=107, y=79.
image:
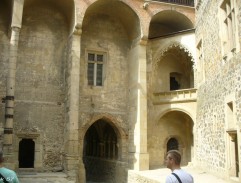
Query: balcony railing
x=177, y=96
x=181, y=2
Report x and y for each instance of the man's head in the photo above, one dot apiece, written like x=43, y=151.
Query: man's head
x=173, y=159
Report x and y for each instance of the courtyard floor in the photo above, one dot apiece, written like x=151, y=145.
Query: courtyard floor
x=150, y=176
x=199, y=176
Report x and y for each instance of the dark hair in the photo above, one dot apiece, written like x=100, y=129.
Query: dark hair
x=176, y=155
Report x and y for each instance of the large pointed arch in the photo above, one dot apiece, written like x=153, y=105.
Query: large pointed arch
x=115, y=123
x=103, y=143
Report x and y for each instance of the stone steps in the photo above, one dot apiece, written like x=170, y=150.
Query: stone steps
x=32, y=177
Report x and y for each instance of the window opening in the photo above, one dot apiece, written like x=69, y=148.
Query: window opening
x=95, y=69
x=229, y=24
x=232, y=145
x=201, y=68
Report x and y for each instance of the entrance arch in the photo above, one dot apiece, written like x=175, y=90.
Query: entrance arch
x=101, y=141
x=173, y=130
x=101, y=151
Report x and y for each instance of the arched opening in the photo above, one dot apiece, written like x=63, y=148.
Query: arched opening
x=26, y=153
x=66, y=8
x=168, y=22
x=172, y=144
x=174, y=71
x=106, y=9
x=174, y=130
x=100, y=153
x=109, y=35
x=175, y=79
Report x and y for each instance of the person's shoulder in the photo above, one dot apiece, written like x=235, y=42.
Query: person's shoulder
x=184, y=174
x=181, y=170
x=7, y=171
x=169, y=178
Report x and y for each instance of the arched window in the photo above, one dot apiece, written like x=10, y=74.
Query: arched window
x=172, y=144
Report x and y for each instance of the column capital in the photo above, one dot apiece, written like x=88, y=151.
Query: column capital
x=78, y=29
x=143, y=41
x=16, y=28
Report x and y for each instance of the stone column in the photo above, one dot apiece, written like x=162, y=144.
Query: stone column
x=138, y=156
x=72, y=150
x=11, y=79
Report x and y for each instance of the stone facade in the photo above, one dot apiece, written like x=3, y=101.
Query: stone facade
x=95, y=88
x=218, y=107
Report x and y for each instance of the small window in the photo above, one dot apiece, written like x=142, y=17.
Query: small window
x=200, y=60
x=95, y=69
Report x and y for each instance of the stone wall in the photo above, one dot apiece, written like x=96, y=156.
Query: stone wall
x=44, y=96
x=112, y=97
x=222, y=79
x=169, y=120
x=4, y=49
x=39, y=95
x=109, y=101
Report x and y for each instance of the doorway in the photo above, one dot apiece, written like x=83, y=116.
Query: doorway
x=172, y=144
x=26, y=153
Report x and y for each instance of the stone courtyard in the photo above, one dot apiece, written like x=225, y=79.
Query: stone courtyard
x=149, y=176
x=100, y=90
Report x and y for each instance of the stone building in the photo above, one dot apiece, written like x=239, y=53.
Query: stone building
x=218, y=117
x=94, y=88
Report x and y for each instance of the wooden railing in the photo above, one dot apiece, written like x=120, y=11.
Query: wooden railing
x=181, y=2
x=176, y=96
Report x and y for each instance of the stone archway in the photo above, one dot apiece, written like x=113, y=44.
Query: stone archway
x=173, y=69
x=102, y=152
x=174, y=126
x=168, y=22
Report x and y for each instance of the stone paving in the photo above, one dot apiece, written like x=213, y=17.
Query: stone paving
x=43, y=178
x=150, y=176
x=199, y=176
